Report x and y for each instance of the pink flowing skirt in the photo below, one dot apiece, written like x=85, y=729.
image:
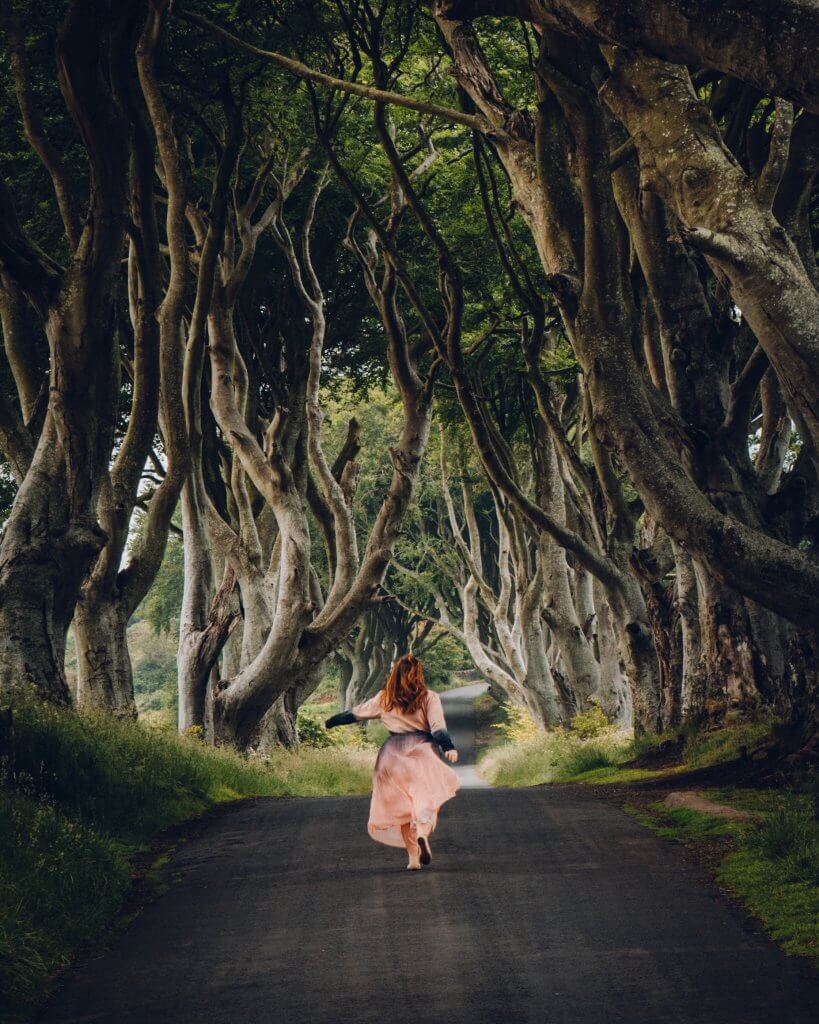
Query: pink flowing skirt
x=410, y=783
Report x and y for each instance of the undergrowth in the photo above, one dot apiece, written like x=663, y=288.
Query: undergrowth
x=552, y=757
x=592, y=751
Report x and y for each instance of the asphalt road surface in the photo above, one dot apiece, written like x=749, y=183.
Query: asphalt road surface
x=459, y=708
x=540, y=906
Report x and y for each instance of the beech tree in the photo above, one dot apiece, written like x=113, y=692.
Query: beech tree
x=640, y=181
x=529, y=622
x=60, y=452
x=574, y=206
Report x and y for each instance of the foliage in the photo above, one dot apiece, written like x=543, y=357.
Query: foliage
x=366, y=736
x=91, y=793
x=8, y=489
x=517, y=725
x=588, y=755
x=311, y=731
x=591, y=723
x=445, y=656
x=164, y=600
x=552, y=757
x=153, y=661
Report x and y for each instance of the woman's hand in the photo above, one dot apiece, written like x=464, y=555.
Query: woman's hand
x=451, y=756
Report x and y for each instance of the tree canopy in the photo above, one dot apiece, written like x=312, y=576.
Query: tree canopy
x=485, y=324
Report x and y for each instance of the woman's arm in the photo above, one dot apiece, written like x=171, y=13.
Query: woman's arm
x=437, y=726
x=443, y=739
x=342, y=718
x=360, y=713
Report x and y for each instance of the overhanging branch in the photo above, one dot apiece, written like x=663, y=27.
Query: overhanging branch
x=295, y=67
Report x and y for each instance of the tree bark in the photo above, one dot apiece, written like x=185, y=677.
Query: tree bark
x=52, y=536
x=683, y=158
x=734, y=36
x=616, y=691
x=686, y=599
x=104, y=676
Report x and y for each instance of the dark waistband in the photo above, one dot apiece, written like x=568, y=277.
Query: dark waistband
x=415, y=732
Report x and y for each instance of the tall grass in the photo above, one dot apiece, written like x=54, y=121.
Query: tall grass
x=789, y=834
x=713, y=747
x=552, y=757
x=90, y=793
x=591, y=746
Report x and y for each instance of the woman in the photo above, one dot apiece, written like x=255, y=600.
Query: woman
x=410, y=781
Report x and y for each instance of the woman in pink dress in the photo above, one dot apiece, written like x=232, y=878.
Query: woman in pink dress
x=411, y=781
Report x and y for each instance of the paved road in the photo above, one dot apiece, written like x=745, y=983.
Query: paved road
x=460, y=719
x=541, y=907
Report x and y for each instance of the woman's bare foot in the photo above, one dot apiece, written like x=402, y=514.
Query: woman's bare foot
x=426, y=850
x=416, y=857
x=413, y=849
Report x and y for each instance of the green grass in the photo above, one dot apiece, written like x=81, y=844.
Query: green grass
x=703, y=749
x=91, y=794
x=553, y=757
x=606, y=758
x=773, y=864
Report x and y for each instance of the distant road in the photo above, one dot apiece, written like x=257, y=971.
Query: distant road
x=541, y=907
x=459, y=708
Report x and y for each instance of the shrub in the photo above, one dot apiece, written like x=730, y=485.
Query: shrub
x=518, y=725
x=364, y=737
x=584, y=757
x=312, y=732
x=589, y=724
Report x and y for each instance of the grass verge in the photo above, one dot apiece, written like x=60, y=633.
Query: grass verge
x=772, y=865
x=609, y=756
x=91, y=794
x=553, y=757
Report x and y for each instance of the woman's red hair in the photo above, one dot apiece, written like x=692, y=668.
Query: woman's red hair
x=406, y=687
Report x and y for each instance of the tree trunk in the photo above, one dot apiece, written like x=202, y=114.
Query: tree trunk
x=207, y=618
x=559, y=604
x=278, y=727
x=615, y=689
x=104, y=677
x=539, y=685
x=43, y=557
x=638, y=656
x=686, y=598
x=744, y=656
x=52, y=536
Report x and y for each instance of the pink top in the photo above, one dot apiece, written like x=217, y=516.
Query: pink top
x=428, y=717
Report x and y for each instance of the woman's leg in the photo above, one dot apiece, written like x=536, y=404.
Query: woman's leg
x=413, y=849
